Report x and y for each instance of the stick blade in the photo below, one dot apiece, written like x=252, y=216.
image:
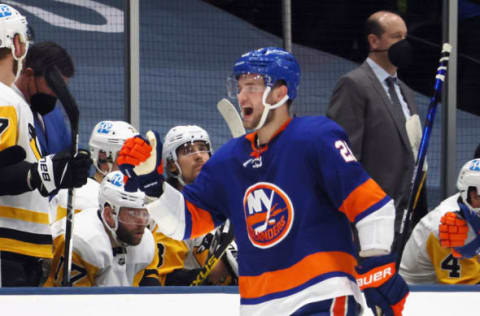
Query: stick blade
x=231, y=117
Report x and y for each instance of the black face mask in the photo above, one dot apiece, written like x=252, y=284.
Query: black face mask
x=42, y=103
x=401, y=53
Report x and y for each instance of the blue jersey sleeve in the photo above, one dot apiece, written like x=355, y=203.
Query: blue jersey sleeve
x=205, y=201
x=348, y=186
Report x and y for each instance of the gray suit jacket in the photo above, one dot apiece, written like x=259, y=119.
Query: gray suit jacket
x=377, y=134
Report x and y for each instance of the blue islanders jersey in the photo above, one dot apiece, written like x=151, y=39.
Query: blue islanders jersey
x=291, y=203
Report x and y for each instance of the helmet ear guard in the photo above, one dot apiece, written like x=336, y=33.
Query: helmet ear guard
x=469, y=176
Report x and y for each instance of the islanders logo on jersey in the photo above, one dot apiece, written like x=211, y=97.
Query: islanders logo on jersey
x=268, y=214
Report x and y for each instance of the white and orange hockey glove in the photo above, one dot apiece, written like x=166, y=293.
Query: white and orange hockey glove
x=454, y=232
x=140, y=160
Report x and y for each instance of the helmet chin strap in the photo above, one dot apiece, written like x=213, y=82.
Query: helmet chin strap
x=268, y=107
x=113, y=231
x=19, y=59
x=179, y=175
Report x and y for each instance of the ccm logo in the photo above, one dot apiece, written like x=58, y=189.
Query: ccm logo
x=375, y=279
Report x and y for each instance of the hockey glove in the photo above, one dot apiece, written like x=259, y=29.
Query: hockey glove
x=59, y=171
x=452, y=232
x=383, y=287
x=469, y=246
x=140, y=160
x=12, y=155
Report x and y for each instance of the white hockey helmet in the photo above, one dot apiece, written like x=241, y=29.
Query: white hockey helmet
x=178, y=136
x=11, y=24
x=112, y=192
x=109, y=136
x=469, y=176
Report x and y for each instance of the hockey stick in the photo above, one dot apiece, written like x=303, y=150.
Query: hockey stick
x=419, y=175
x=231, y=117
x=58, y=86
x=220, y=243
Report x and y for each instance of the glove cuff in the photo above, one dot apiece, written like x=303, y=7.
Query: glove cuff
x=375, y=271
x=33, y=178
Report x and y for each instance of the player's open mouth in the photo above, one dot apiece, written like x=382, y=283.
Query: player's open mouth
x=247, y=111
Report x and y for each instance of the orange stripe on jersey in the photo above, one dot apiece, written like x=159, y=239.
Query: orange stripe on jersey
x=339, y=304
x=8, y=126
x=202, y=221
x=360, y=199
x=306, y=269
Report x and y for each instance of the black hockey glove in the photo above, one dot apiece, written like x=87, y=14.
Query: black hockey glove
x=59, y=171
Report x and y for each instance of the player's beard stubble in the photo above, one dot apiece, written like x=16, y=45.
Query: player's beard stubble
x=128, y=237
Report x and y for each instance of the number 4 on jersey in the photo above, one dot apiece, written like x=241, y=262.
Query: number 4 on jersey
x=452, y=265
x=345, y=151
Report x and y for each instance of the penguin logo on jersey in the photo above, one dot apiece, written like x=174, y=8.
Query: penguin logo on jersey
x=105, y=128
x=116, y=179
x=268, y=214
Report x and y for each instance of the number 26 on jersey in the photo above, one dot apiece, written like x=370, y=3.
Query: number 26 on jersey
x=345, y=151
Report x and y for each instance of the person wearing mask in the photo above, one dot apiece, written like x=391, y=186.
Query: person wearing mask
x=26, y=240
x=51, y=129
x=379, y=114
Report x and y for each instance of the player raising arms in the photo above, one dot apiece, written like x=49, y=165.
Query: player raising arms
x=291, y=189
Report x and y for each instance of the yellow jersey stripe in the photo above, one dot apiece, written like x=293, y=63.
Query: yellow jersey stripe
x=26, y=248
x=62, y=212
x=24, y=215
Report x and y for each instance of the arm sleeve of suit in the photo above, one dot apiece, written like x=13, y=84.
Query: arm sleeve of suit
x=346, y=107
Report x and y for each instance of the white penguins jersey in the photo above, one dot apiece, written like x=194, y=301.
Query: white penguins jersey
x=84, y=198
x=95, y=261
x=425, y=261
x=24, y=218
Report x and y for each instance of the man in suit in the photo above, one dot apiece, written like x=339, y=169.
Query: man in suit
x=375, y=108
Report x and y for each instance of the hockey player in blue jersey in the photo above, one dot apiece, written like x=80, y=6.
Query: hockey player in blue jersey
x=291, y=188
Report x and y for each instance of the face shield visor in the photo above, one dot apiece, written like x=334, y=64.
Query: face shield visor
x=133, y=216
